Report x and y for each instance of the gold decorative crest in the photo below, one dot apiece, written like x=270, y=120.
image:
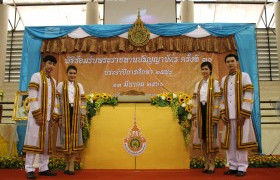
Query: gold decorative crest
x=135, y=144
x=138, y=35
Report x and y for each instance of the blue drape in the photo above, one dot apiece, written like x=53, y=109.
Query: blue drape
x=171, y=29
x=244, y=35
x=32, y=42
x=246, y=48
x=33, y=37
x=21, y=128
x=245, y=38
x=104, y=31
x=224, y=29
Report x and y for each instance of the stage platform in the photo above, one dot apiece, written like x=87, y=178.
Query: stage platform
x=189, y=174
x=166, y=148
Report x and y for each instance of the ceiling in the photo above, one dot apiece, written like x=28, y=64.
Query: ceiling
x=73, y=12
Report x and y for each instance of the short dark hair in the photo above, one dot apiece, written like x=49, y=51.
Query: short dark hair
x=50, y=58
x=71, y=67
x=208, y=64
x=231, y=55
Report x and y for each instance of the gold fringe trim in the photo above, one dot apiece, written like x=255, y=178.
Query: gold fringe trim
x=34, y=149
x=55, y=116
x=218, y=94
x=215, y=119
x=248, y=87
x=180, y=44
x=33, y=85
x=33, y=99
x=196, y=146
x=248, y=100
x=194, y=116
x=83, y=118
x=37, y=113
x=245, y=114
x=57, y=94
x=83, y=97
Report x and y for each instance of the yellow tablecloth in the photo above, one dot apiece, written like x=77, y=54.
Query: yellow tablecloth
x=8, y=140
x=166, y=148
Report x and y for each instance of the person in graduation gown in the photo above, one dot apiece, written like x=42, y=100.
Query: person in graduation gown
x=42, y=114
x=72, y=118
x=206, y=99
x=236, y=106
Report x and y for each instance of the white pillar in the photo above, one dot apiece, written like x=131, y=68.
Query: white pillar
x=277, y=27
x=186, y=12
x=92, y=13
x=3, y=40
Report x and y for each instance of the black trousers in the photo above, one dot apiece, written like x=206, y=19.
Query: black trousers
x=203, y=117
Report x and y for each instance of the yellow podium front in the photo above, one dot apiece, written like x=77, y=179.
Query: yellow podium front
x=166, y=148
x=8, y=140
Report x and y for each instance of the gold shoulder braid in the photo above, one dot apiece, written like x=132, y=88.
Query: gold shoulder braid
x=71, y=139
x=209, y=117
x=225, y=143
x=43, y=113
x=239, y=111
x=198, y=114
x=138, y=35
x=33, y=85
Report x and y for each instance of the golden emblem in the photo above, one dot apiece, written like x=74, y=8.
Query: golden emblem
x=135, y=144
x=138, y=35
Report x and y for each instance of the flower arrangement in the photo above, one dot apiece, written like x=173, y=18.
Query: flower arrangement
x=198, y=162
x=271, y=161
x=12, y=162
x=19, y=162
x=181, y=105
x=254, y=162
x=59, y=164
x=264, y=161
x=94, y=101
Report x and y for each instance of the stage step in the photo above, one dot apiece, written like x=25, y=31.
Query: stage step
x=267, y=55
x=7, y=112
x=13, y=56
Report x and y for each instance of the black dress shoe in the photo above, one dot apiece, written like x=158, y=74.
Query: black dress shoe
x=230, y=172
x=240, y=173
x=211, y=171
x=66, y=171
x=204, y=170
x=71, y=173
x=31, y=175
x=47, y=173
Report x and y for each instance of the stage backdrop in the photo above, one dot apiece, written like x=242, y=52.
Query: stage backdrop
x=244, y=37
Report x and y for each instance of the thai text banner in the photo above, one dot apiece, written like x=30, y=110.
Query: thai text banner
x=151, y=73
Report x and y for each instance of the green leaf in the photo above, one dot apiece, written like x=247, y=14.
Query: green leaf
x=163, y=103
x=181, y=110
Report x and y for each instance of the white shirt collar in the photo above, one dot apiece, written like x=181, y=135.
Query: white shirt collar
x=203, y=81
x=70, y=82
